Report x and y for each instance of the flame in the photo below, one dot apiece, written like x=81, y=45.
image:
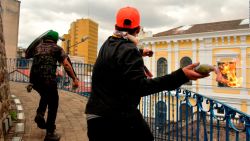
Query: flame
x=228, y=70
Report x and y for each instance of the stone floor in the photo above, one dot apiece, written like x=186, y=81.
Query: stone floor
x=71, y=120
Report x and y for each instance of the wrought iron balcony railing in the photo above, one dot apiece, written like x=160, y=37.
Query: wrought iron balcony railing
x=172, y=115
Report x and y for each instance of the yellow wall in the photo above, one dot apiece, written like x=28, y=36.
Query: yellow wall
x=197, y=42
x=172, y=56
x=248, y=39
x=186, y=53
x=244, y=106
x=161, y=54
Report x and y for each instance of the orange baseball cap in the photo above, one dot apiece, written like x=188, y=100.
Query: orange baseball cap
x=128, y=17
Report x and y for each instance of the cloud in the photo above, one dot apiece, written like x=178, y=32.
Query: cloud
x=38, y=16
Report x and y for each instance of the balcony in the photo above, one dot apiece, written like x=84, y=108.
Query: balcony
x=172, y=115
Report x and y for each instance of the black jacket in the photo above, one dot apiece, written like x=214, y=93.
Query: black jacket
x=119, y=81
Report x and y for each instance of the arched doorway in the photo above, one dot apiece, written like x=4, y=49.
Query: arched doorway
x=162, y=67
x=185, y=61
x=160, y=115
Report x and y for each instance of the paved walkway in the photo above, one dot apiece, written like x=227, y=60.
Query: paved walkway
x=71, y=120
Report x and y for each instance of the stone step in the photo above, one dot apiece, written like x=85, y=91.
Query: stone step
x=16, y=139
x=19, y=128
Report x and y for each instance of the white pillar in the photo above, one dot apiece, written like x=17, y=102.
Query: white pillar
x=194, y=49
x=222, y=40
x=216, y=40
x=243, y=39
x=153, y=61
x=235, y=39
x=169, y=48
x=176, y=54
x=147, y=60
x=243, y=69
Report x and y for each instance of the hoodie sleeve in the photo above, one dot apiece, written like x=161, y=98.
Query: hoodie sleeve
x=131, y=62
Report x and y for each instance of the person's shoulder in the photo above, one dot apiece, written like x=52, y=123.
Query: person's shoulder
x=127, y=45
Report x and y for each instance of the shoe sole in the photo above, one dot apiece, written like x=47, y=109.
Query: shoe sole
x=51, y=139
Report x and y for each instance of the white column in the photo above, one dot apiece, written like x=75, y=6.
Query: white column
x=194, y=49
x=228, y=39
x=176, y=54
x=243, y=70
x=202, y=52
x=203, y=58
x=222, y=40
x=147, y=60
x=243, y=40
x=235, y=39
x=153, y=61
x=216, y=41
x=169, y=48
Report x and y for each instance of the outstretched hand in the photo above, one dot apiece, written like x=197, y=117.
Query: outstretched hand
x=191, y=74
x=147, y=52
x=75, y=84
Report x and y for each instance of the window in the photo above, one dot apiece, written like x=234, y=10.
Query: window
x=160, y=115
x=185, y=61
x=228, y=71
x=162, y=67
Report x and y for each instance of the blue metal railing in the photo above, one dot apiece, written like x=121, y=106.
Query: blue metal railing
x=191, y=116
x=180, y=115
x=19, y=71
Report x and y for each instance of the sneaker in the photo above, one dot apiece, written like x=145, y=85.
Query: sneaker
x=52, y=136
x=40, y=121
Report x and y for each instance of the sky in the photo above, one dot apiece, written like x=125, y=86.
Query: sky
x=38, y=16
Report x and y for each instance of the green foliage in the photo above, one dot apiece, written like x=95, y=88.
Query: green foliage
x=13, y=115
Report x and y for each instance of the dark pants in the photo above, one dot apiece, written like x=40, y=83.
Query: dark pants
x=50, y=98
x=110, y=129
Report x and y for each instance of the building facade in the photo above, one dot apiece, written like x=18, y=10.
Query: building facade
x=10, y=12
x=223, y=44
x=81, y=40
x=4, y=83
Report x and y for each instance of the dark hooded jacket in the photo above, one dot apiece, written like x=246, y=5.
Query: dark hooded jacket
x=119, y=81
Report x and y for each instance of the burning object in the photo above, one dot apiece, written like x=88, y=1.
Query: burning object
x=225, y=73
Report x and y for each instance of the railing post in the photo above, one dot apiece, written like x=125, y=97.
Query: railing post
x=169, y=93
x=187, y=109
x=204, y=125
x=227, y=116
x=247, y=126
x=177, y=114
x=211, y=109
x=198, y=98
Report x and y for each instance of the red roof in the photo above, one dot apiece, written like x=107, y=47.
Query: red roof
x=206, y=27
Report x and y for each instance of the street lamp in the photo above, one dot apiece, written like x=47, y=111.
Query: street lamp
x=83, y=39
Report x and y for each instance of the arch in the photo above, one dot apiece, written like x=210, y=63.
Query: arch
x=185, y=61
x=162, y=67
x=160, y=115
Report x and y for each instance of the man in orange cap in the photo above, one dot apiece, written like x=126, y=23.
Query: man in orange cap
x=119, y=81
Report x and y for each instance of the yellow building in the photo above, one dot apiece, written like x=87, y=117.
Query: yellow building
x=76, y=44
x=220, y=44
